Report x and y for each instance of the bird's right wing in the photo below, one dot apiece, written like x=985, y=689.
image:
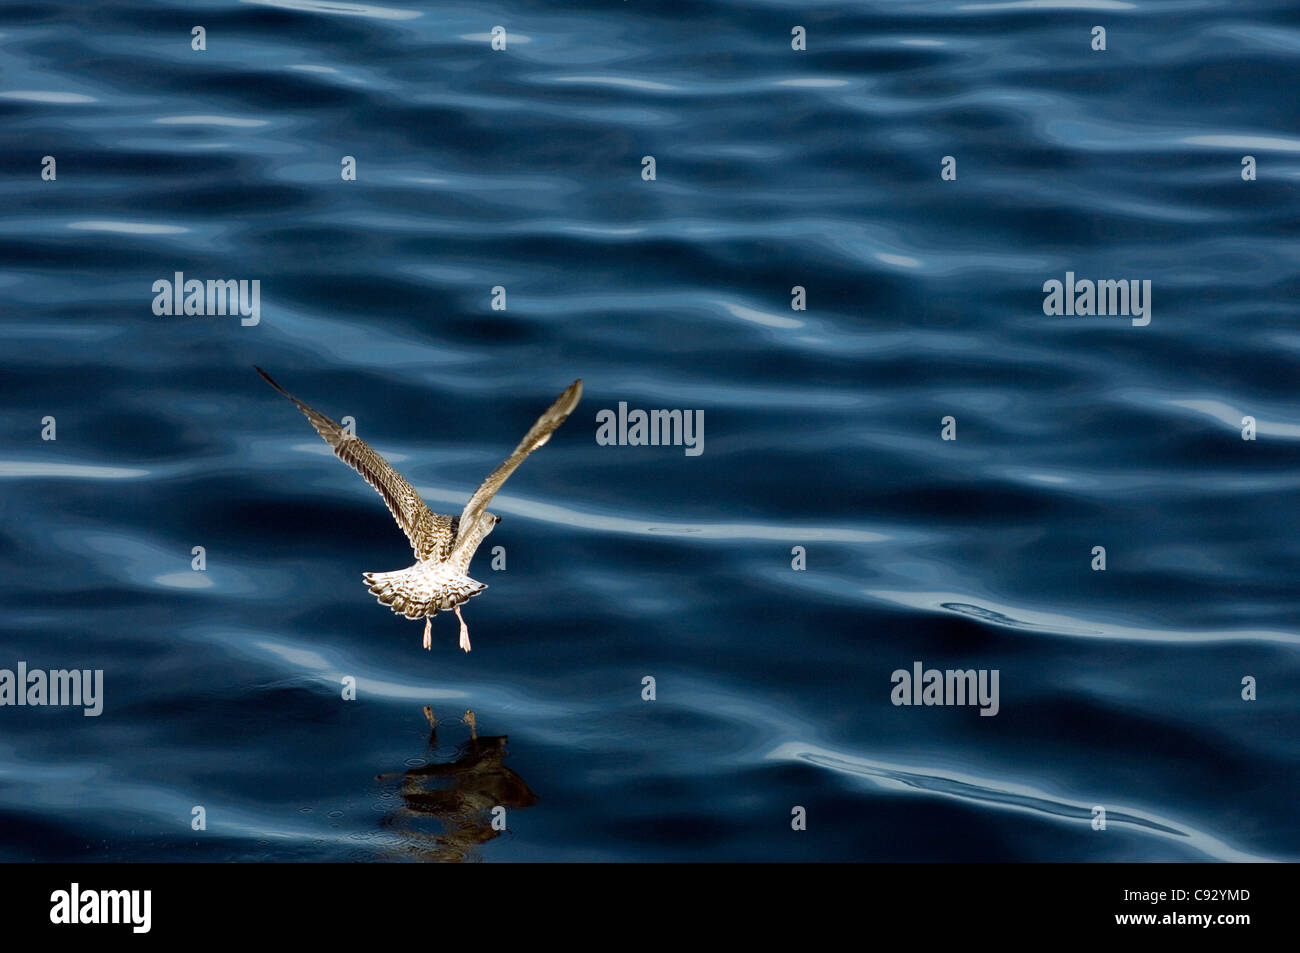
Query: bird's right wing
x=540, y=432
x=412, y=514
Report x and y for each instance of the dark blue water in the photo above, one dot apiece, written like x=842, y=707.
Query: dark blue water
x=522, y=169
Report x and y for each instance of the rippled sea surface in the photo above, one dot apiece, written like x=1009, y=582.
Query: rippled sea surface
x=775, y=168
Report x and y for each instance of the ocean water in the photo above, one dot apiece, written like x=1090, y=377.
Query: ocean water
x=223, y=688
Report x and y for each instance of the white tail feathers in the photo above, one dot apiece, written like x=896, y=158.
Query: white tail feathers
x=423, y=589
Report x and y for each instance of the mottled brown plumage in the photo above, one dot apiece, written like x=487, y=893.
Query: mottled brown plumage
x=443, y=545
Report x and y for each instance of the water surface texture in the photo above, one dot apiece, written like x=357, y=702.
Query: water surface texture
x=774, y=168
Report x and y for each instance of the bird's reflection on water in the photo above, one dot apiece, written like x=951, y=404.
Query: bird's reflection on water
x=448, y=805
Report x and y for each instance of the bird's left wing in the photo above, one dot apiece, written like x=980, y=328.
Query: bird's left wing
x=536, y=437
x=412, y=514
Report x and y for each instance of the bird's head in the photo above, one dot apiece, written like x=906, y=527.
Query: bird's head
x=487, y=522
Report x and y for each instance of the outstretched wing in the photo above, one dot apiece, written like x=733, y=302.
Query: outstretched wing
x=413, y=516
x=541, y=431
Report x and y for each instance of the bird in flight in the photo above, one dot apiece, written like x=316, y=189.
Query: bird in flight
x=443, y=545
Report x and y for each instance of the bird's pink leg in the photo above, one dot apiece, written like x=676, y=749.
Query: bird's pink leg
x=464, y=631
x=428, y=633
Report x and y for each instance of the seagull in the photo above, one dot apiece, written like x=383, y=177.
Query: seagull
x=443, y=545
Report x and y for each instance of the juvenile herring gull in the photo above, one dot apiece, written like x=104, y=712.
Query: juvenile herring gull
x=443, y=545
